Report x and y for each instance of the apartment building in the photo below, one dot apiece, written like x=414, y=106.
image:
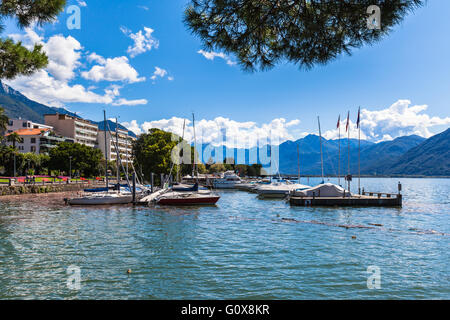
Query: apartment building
x=36, y=140
x=125, y=142
x=18, y=124
x=81, y=130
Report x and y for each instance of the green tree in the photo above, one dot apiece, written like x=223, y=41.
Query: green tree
x=262, y=33
x=14, y=138
x=3, y=121
x=153, y=152
x=85, y=160
x=7, y=159
x=217, y=168
x=15, y=59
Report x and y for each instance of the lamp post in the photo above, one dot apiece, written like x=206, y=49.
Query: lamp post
x=70, y=167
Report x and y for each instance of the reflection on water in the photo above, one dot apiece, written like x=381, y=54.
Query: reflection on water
x=242, y=248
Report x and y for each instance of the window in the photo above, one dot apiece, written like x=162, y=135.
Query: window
x=10, y=123
x=33, y=140
x=24, y=124
x=33, y=149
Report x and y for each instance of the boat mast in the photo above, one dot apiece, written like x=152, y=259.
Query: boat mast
x=359, y=150
x=106, y=153
x=298, y=163
x=117, y=156
x=339, y=152
x=194, y=171
x=182, y=139
x=321, y=154
x=348, y=150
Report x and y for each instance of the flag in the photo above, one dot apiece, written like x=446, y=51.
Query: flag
x=357, y=121
x=339, y=122
x=348, y=121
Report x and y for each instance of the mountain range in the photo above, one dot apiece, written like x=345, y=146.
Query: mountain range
x=17, y=105
x=407, y=155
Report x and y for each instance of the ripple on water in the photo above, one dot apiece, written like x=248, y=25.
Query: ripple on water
x=239, y=249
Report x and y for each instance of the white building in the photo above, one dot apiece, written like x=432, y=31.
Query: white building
x=125, y=142
x=37, y=140
x=17, y=124
x=81, y=130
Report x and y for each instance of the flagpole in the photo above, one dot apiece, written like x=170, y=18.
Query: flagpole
x=298, y=163
x=359, y=151
x=348, y=150
x=339, y=155
x=321, y=154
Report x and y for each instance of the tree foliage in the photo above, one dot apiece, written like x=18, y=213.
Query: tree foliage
x=262, y=33
x=85, y=160
x=3, y=120
x=16, y=59
x=153, y=151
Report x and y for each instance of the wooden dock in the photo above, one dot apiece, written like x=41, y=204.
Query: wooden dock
x=367, y=199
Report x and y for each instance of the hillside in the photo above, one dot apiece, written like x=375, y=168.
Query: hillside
x=17, y=105
x=431, y=157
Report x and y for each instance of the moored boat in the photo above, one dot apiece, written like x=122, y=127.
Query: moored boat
x=229, y=180
x=187, y=198
x=101, y=198
x=279, y=189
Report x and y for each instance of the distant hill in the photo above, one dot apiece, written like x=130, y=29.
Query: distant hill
x=16, y=105
x=375, y=157
x=431, y=157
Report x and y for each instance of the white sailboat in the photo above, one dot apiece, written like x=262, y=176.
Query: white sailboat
x=120, y=196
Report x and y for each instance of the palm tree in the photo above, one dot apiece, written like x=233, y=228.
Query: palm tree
x=14, y=138
x=3, y=121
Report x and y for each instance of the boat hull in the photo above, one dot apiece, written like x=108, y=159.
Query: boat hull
x=188, y=201
x=87, y=201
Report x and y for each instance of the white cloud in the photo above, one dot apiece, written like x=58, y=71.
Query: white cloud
x=143, y=41
x=222, y=131
x=398, y=120
x=43, y=88
x=125, y=102
x=82, y=3
x=158, y=73
x=93, y=57
x=211, y=55
x=112, y=69
x=144, y=8
x=51, y=86
x=64, y=56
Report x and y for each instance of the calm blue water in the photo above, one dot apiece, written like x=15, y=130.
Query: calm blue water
x=239, y=249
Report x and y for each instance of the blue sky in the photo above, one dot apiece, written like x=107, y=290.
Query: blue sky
x=410, y=64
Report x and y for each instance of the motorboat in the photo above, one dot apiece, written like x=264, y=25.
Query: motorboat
x=229, y=180
x=200, y=197
x=279, y=189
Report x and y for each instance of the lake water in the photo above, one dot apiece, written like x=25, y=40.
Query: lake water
x=241, y=248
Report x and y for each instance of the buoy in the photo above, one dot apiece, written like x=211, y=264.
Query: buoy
x=129, y=271
x=353, y=237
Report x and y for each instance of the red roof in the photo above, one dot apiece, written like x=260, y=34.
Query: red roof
x=30, y=132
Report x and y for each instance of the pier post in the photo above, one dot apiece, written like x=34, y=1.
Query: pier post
x=133, y=177
x=151, y=181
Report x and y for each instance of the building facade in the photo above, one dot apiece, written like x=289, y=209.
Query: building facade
x=17, y=124
x=125, y=142
x=81, y=130
x=37, y=140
